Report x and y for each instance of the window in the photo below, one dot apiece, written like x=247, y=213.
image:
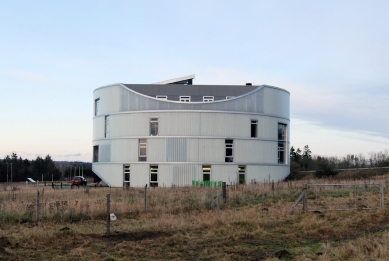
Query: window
x=161, y=97
x=229, y=147
x=97, y=106
x=142, y=149
x=242, y=174
x=254, y=124
x=206, y=173
x=282, y=136
x=95, y=153
x=106, y=128
x=229, y=97
x=126, y=176
x=184, y=98
x=153, y=126
x=153, y=175
x=208, y=98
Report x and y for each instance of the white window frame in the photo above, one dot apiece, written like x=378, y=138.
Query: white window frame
x=207, y=170
x=126, y=172
x=154, y=120
x=254, y=122
x=154, y=170
x=184, y=98
x=106, y=126
x=161, y=97
x=229, y=145
x=242, y=172
x=97, y=106
x=208, y=98
x=142, y=144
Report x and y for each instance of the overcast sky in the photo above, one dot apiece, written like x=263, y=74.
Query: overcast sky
x=332, y=56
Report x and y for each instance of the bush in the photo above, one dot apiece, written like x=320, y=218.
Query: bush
x=325, y=169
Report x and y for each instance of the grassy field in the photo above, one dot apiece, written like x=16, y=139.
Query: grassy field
x=180, y=224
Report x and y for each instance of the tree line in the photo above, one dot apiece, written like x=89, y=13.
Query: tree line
x=17, y=169
x=302, y=160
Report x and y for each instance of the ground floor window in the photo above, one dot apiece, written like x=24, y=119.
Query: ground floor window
x=153, y=175
x=126, y=176
x=206, y=173
x=281, y=152
x=95, y=153
x=242, y=174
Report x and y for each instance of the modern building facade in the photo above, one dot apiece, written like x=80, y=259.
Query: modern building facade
x=174, y=133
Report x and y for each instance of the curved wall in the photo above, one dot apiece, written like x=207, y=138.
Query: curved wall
x=190, y=135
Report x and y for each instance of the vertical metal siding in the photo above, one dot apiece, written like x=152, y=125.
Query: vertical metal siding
x=156, y=150
x=177, y=150
x=225, y=173
x=140, y=175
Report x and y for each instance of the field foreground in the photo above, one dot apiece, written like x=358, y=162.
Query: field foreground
x=180, y=224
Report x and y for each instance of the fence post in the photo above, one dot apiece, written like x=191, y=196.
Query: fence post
x=145, y=197
x=108, y=213
x=37, y=206
x=305, y=207
x=218, y=203
x=224, y=188
x=382, y=196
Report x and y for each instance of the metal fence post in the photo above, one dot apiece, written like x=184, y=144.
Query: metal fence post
x=108, y=213
x=37, y=206
x=224, y=187
x=145, y=197
x=305, y=207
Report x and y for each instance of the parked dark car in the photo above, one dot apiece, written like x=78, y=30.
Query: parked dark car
x=78, y=181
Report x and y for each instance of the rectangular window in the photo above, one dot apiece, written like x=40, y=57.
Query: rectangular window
x=242, y=174
x=282, y=137
x=142, y=150
x=184, y=98
x=153, y=126
x=126, y=176
x=229, y=148
x=106, y=128
x=95, y=153
x=254, y=124
x=208, y=98
x=229, y=97
x=97, y=106
x=161, y=97
x=206, y=173
x=153, y=175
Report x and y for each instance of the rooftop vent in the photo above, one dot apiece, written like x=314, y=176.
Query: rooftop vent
x=249, y=83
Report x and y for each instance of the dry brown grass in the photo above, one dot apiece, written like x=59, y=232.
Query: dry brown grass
x=181, y=225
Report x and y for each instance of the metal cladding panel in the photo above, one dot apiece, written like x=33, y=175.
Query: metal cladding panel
x=140, y=175
x=177, y=149
x=193, y=150
x=276, y=102
x=132, y=124
x=225, y=173
x=123, y=150
x=183, y=174
x=112, y=174
x=255, y=173
x=225, y=124
x=98, y=128
x=210, y=150
x=257, y=151
x=133, y=101
x=109, y=99
x=156, y=150
x=179, y=123
x=105, y=152
x=165, y=177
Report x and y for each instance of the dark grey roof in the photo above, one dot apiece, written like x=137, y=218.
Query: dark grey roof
x=174, y=91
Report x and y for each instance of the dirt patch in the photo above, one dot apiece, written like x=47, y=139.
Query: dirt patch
x=133, y=236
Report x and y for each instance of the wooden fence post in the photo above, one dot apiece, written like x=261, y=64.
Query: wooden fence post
x=37, y=206
x=305, y=207
x=224, y=187
x=145, y=198
x=108, y=213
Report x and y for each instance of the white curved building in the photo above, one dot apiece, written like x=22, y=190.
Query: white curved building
x=174, y=133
